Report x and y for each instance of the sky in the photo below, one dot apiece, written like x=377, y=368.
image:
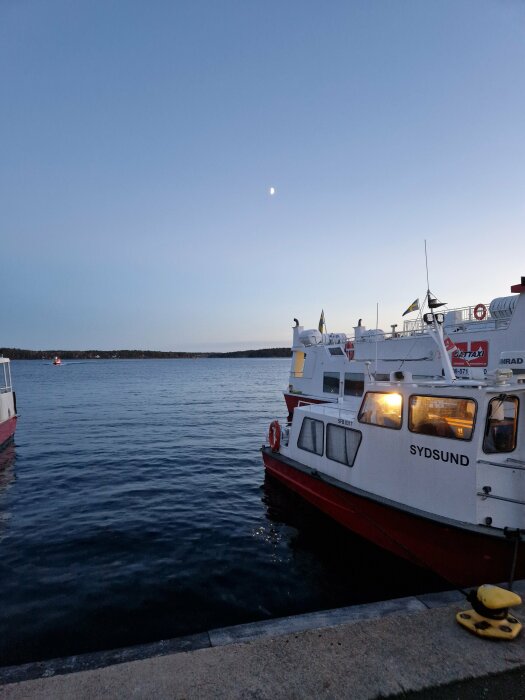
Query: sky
x=139, y=142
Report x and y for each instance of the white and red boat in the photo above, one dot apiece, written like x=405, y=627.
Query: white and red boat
x=430, y=468
x=57, y=361
x=327, y=366
x=7, y=404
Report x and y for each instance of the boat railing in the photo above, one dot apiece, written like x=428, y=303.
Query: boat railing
x=454, y=318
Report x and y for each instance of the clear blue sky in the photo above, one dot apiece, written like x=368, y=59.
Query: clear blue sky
x=139, y=140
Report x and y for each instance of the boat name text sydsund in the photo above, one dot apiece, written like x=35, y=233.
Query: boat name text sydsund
x=440, y=455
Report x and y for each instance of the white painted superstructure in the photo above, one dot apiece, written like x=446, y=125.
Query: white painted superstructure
x=326, y=366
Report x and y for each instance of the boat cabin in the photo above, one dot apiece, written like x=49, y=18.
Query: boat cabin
x=455, y=450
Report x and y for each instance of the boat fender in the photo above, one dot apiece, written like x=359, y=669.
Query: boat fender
x=490, y=614
x=274, y=436
x=349, y=349
x=480, y=312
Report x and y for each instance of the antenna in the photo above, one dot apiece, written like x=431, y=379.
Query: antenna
x=435, y=327
x=377, y=329
x=426, y=265
x=432, y=301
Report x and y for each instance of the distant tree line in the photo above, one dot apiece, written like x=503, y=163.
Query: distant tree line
x=267, y=352
x=20, y=354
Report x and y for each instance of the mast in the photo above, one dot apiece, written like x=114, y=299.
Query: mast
x=434, y=322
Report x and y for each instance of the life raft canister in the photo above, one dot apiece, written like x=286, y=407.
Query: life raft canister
x=274, y=435
x=349, y=349
x=480, y=312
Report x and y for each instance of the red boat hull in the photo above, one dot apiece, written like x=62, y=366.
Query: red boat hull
x=7, y=430
x=293, y=400
x=462, y=557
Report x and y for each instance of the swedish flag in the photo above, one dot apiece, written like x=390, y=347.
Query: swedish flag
x=414, y=306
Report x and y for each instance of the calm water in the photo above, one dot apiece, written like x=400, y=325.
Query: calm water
x=134, y=507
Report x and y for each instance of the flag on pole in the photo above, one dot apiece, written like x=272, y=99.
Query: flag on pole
x=414, y=306
x=322, y=323
x=434, y=303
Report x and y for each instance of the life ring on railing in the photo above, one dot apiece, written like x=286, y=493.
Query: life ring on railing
x=349, y=349
x=274, y=436
x=480, y=312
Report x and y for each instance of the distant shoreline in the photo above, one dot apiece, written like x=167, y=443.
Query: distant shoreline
x=21, y=354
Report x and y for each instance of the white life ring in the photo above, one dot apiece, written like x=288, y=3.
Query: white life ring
x=349, y=349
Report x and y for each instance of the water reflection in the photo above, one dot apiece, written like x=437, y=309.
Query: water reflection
x=336, y=558
x=7, y=477
x=7, y=467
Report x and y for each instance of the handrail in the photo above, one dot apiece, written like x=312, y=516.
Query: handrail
x=516, y=461
x=499, y=498
x=464, y=314
x=503, y=465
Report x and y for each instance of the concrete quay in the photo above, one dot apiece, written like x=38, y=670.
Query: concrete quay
x=407, y=647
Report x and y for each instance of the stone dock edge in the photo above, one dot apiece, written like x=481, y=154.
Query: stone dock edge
x=269, y=629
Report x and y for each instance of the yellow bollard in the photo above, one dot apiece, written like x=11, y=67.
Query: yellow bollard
x=490, y=614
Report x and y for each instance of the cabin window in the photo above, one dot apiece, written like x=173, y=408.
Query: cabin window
x=342, y=444
x=298, y=363
x=5, y=377
x=331, y=383
x=502, y=420
x=311, y=437
x=381, y=408
x=335, y=351
x=442, y=416
x=354, y=384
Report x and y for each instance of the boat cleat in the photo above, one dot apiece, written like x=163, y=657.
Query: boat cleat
x=490, y=614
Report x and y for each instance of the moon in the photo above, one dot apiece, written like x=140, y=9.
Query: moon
x=271, y=191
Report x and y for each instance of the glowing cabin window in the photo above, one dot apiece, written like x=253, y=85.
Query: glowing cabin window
x=311, y=437
x=354, y=384
x=501, y=426
x=298, y=363
x=442, y=416
x=331, y=383
x=383, y=409
x=342, y=444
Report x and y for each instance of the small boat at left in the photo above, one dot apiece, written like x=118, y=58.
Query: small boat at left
x=57, y=360
x=7, y=404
